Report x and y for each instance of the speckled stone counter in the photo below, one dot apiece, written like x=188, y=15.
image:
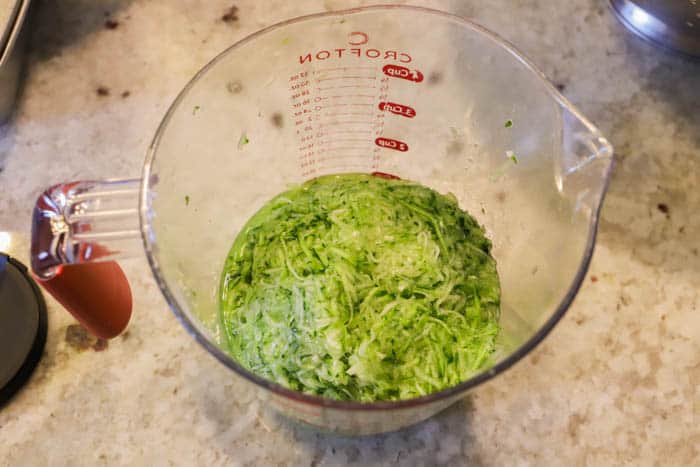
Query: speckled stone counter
x=615, y=383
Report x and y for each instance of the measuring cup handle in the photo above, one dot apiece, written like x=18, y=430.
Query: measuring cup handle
x=78, y=230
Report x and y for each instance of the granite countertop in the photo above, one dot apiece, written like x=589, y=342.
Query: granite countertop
x=616, y=382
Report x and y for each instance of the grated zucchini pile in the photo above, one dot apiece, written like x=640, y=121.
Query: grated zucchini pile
x=358, y=287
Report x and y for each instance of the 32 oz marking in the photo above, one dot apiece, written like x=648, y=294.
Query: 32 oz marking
x=398, y=71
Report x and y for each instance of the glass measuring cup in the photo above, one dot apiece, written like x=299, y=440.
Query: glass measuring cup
x=406, y=91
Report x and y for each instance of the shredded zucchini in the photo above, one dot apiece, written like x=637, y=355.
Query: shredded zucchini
x=357, y=287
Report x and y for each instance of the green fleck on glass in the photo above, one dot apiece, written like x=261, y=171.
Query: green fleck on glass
x=242, y=141
x=508, y=124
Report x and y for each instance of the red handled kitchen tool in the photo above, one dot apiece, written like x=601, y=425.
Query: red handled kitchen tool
x=72, y=225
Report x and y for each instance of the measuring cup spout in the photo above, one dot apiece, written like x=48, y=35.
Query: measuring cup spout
x=582, y=171
x=78, y=230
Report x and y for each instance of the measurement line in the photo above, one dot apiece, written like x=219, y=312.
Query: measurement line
x=346, y=105
x=345, y=68
x=341, y=104
x=349, y=96
x=344, y=148
x=364, y=86
x=344, y=123
x=345, y=77
x=348, y=113
x=349, y=132
x=321, y=159
x=356, y=156
x=345, y=166
x=364, y=140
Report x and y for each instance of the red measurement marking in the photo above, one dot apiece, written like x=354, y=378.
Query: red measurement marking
x=335, y=140
x=348, y=113
x=344, y=104
x=343, y=132
x=349, y=156
x=347, y=96
x=341, y=167
x=345, y=68
x=346, y=77
x=344, y=148
x=398, y=71
x=398, y=109
x=363, y=86
x=385, y=175
x=390, y=143
x=343, y=123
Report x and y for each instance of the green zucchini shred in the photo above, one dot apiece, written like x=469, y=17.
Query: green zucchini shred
x=356, y=287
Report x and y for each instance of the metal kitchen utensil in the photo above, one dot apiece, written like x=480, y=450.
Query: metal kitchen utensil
x=13, y=16
x=674, y=24
x=408, y=91
x=22, y=308
x=22, y=326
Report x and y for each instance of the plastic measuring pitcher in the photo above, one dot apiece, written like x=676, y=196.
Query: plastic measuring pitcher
x=406, y=91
